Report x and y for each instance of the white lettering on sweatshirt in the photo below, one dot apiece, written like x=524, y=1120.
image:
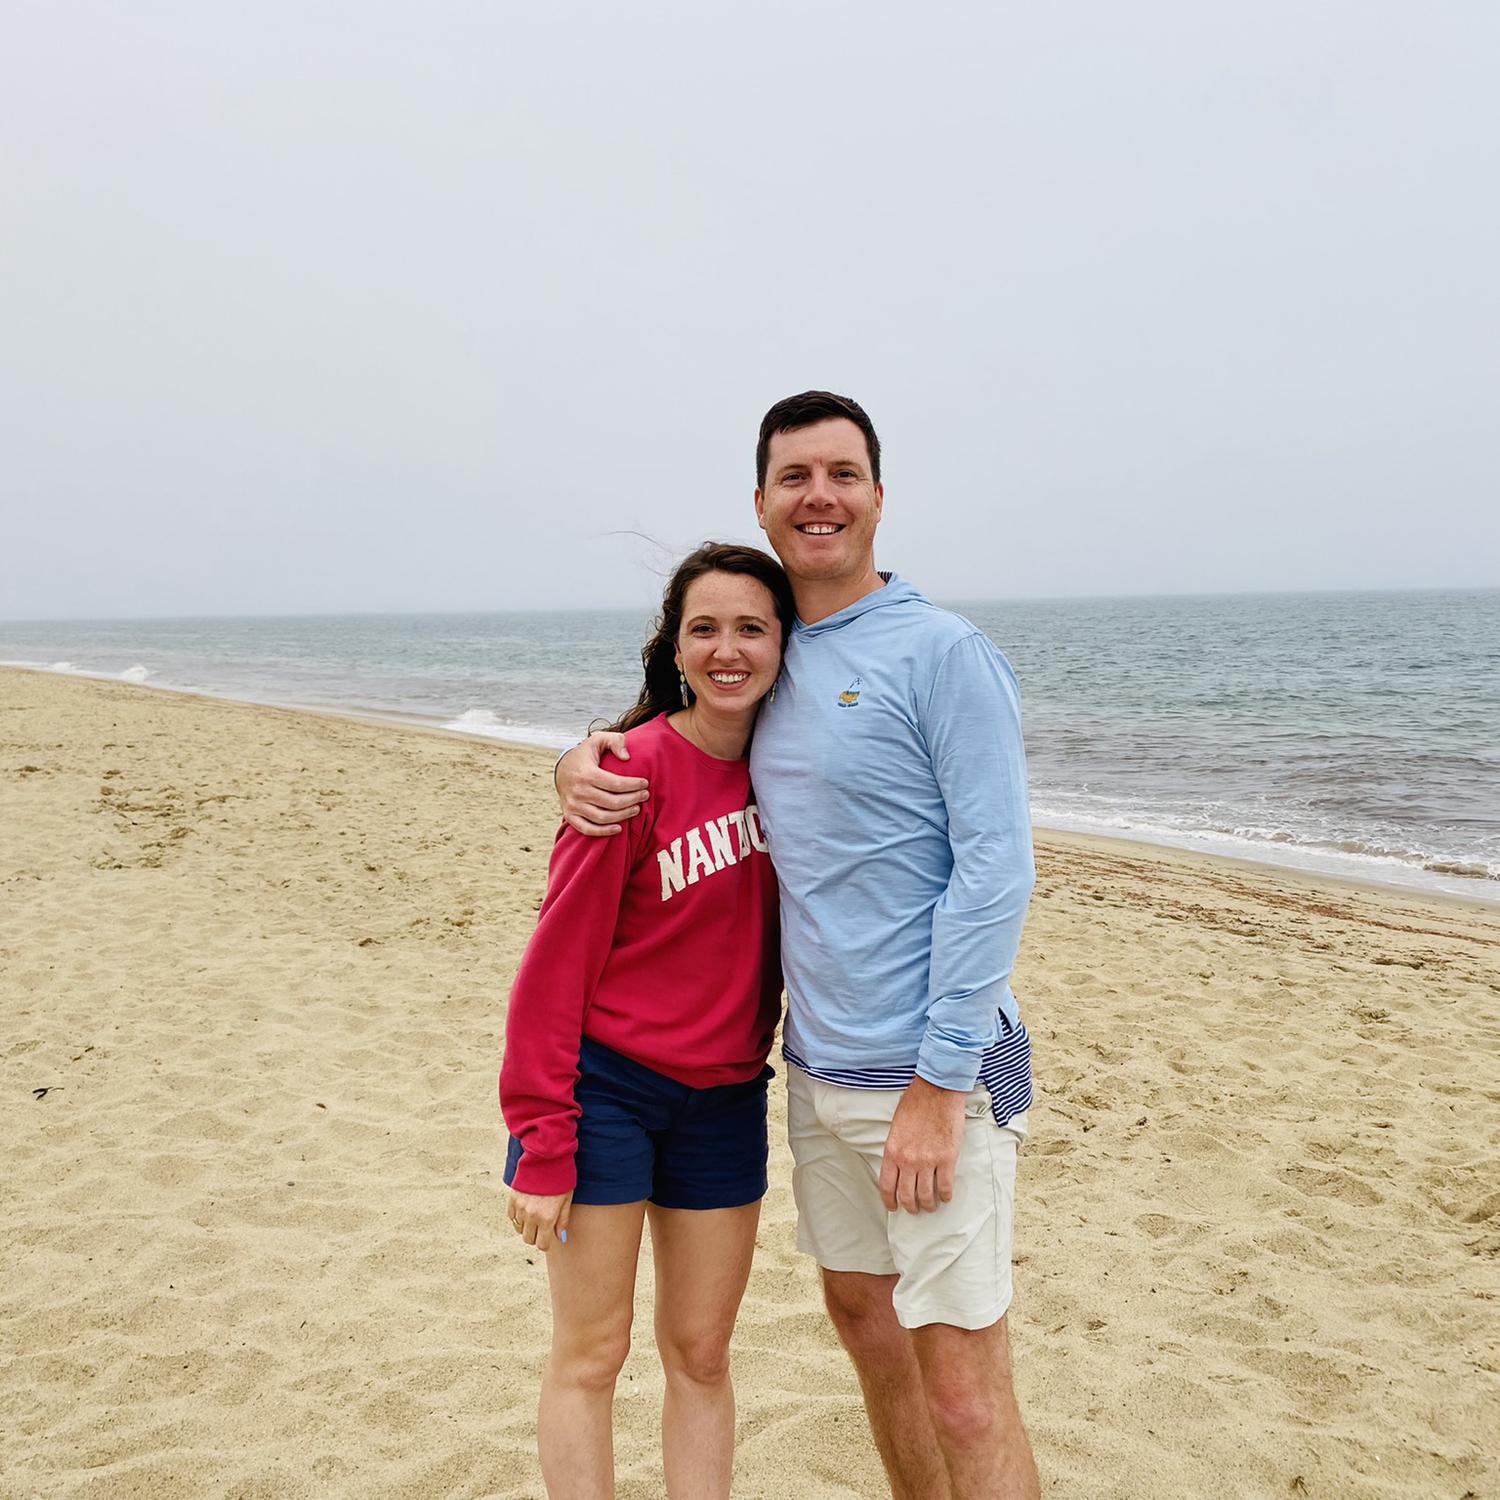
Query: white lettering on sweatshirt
x=730, y=839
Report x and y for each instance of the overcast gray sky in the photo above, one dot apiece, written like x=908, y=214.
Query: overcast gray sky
x=395, y=306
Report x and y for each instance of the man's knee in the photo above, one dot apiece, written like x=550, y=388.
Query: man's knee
x=860, y=1308
x=967, y=1380
x=965, y=1413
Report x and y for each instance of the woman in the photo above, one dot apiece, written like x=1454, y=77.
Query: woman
x=634, y=1080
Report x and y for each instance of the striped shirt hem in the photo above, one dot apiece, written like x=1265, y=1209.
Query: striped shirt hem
x=1005, y=1070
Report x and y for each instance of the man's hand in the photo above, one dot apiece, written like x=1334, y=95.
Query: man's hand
x=916, y=1173
x=593, y=801
x=541, y=1221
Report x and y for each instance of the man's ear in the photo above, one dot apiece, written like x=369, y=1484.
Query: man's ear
x=760, y=510
x=879, y=501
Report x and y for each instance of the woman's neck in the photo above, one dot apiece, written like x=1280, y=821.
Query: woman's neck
x=721, y=737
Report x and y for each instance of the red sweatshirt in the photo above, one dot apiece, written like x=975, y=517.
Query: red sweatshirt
x=661, y=943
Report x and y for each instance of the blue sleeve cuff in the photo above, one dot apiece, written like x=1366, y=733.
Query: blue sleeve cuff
x=946, y=1065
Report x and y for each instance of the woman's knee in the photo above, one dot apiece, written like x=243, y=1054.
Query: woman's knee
x=701, y=1356
x=593, y=1361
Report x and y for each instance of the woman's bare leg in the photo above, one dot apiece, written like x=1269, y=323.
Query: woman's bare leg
x=592, y=1279
x=702, y=1264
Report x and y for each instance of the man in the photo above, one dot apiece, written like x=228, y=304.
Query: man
x=891, y=781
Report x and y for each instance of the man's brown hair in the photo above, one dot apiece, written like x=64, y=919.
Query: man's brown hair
x=806, y=410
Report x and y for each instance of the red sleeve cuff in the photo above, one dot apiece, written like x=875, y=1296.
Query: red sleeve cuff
x=543, y=1177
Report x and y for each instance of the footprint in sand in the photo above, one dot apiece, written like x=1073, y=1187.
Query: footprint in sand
x=1486, y=1208
x=1317, y=1183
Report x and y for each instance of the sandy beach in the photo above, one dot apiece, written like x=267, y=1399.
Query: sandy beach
x=254, y=965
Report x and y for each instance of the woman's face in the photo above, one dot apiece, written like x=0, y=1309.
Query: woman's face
x=729, y=643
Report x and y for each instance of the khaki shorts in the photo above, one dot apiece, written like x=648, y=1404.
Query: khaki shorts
x=953, y=1264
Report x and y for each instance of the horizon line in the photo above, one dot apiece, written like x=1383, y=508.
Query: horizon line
x=357, y=614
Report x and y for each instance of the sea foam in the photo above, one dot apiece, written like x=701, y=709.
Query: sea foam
x=486, y=723
x=1287, y=851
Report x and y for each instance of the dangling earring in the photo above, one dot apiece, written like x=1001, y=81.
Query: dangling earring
x=682, y=680
x=771, y=696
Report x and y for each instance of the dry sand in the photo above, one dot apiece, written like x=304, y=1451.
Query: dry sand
x=254, y=964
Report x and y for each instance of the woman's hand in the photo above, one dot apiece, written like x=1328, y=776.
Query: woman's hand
x=594, y=801
x=541, y=1221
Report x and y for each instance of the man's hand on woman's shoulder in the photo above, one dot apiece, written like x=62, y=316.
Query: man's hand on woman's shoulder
x=594, y=801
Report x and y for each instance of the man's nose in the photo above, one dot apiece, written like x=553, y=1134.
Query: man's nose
x=820, y=487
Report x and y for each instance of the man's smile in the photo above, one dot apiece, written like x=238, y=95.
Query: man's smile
x=819, y=528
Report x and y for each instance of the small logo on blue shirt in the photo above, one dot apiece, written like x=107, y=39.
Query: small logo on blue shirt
x=849, y=698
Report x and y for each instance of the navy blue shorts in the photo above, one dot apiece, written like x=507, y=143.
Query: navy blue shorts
x=645, y=1136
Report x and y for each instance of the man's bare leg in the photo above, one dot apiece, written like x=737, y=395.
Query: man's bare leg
x=966, y=1377
x=885, y=1360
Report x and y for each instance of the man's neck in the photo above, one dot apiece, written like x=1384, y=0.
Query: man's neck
x=818, y=598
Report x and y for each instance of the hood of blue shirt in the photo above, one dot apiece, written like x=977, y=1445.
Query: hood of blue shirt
x=896, y=591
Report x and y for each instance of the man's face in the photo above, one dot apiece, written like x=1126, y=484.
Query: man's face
x=820, y=505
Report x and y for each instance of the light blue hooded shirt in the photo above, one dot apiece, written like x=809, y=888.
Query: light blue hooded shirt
x=891, y=780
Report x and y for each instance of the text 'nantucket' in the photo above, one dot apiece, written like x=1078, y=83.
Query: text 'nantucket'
x=710, y=848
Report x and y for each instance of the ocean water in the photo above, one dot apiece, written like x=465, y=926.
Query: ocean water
x=1356, y=734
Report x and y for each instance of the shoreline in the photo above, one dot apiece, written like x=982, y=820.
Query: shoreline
x=1418, y=884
